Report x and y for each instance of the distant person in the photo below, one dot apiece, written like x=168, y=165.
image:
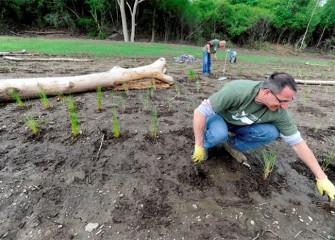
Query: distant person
x=210, y=48
x=247, y=114
x=232, y=56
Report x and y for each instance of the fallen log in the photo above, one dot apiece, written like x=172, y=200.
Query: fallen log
x=30, y=87
x=13, y=53
x=315, y=82
x=25, y=59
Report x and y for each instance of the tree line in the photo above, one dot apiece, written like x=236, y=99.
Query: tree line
x=251, y=23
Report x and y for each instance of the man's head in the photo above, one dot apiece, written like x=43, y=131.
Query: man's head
x=278, y=90
x=222, y=43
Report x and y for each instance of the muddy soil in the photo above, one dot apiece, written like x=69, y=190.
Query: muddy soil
x=96, y=186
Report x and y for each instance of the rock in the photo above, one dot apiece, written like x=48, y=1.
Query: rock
x=91, y=226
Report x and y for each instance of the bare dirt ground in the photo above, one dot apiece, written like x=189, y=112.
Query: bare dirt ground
x=53, y=186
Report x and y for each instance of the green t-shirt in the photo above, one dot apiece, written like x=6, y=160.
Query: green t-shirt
x=235, y=102
x=214, y=46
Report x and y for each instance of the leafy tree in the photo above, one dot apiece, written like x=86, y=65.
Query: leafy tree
x=99, y=10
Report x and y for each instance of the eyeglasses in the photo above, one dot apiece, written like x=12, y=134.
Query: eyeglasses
x=279, y=100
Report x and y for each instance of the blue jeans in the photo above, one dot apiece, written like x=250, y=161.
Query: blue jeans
x=206, y=62
x=245, y=138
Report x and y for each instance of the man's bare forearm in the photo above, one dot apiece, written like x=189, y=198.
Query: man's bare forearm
x=307, y=156
x=199, y=123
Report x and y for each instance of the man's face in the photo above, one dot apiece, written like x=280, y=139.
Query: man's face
x=221, y=44
x=278, y=100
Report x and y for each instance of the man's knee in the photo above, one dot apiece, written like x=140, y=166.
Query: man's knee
x=216, y=137
x=270, y=132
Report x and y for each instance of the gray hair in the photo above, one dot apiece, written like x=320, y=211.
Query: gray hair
x=278, y=81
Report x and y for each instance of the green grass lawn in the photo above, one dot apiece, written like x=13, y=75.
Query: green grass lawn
x=98, y=48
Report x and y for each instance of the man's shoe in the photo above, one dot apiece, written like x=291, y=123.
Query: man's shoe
x=237, y=155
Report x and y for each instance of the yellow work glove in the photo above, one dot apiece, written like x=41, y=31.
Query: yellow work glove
x=325, y=185
x=199, y=154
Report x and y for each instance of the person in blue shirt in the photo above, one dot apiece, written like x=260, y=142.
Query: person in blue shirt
x=232, y=56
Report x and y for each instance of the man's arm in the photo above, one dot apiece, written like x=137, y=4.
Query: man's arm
x=322, y=182
x=199, y=123
x=214, y=55
x=307, y=156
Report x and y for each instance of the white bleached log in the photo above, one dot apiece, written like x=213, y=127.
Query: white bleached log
x=29, y=87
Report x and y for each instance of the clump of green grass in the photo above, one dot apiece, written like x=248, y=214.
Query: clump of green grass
x=99, y=98
x=154, y=121
x=43, y=96
x=191, y=75
x=115, y=124
x=32, y=124
x=268, y=161
x=73, y=116
x=13, y=92
x=330, y=157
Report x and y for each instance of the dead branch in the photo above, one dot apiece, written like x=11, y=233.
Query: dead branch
x=102, y=140
x=315, y=82
x=260, y=234
x=13, y=53
x=44, y=33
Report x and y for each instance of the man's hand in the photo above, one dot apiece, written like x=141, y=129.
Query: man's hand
x=199, y=154
x=325, y=185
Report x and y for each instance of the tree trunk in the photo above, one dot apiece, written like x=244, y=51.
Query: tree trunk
x=133, y=16
x=30, y=87
x=309, y=22
x=153, y=26
x=323, y=31
x=124, y=20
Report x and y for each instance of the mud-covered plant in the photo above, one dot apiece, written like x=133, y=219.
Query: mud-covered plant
x=145, y=102
x=15, y=95
x=73, y=116
x=125, y=89
x=169, y=102
x=32, y=124
x=198, y=86
x=318, y=124
x=99, y=98
x=115, y=123
x=152, y=88
x=308, y=91
x=307, y=96
x=239, y=71
x=330, y=157
x=43, y=96
x=177, y=90
x=188, y=103
x=154, y=121
x=268, y=160
x=191, y=75
x=123, y=104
